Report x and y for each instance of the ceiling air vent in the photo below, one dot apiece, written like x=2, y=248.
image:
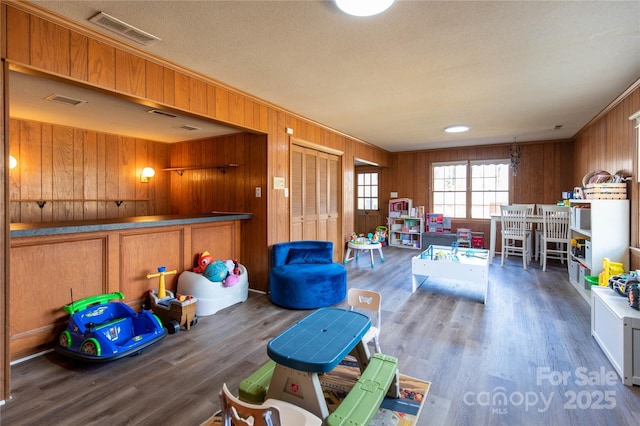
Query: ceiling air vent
x=65, y=100
x=161, y=112
x=189, y=127
x=122, y=28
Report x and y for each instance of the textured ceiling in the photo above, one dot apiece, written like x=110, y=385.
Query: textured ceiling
x=507, y=69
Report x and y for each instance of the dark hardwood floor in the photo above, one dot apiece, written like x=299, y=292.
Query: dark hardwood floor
x=493, y=364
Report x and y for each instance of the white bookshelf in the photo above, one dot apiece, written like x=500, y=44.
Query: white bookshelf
x=605, y=224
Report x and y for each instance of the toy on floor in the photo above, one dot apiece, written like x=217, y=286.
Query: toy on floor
x=382, y=231
x=218, y=271
x=173, y=311
x=100, y=329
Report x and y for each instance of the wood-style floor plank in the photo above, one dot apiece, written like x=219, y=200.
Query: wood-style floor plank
x=484, y=360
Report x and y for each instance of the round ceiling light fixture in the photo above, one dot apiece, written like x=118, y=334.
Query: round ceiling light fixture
x=459, y=128
x=364, y=7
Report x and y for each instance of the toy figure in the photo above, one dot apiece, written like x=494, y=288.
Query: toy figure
x=204, y=260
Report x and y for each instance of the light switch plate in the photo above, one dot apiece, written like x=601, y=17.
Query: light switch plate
x=278, y=182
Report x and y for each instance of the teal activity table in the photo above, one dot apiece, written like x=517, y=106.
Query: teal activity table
x=315, y=344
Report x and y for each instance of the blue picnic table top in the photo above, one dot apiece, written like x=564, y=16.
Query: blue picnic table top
x=318, y=342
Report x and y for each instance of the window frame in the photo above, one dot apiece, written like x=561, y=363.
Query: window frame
x=468, y=183
x=377, y=190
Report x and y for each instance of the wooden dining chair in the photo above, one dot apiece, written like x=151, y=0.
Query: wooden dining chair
x=371, y=301
x=531, y=208
x=555, y=234
x=270, y=413
x=537, y=243
x=516, y=237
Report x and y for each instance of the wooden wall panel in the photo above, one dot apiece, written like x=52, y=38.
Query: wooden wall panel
x=142, y=253
x=222, y=104
x=169, y=81
x=197, y=96
x=101, y=64
x=207, y=238
x=62, y=172
x=78, y=55
x=130, y=74
x=154, y=81
x=40, y=287
x=609, y=143
x=205, y=190
x=76, y=168
x=182, y=90
x=236, y=108
x=89, y=176
x=5, y=191
x=18, y=35
x=49, y=46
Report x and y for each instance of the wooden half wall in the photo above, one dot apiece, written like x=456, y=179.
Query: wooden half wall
x=97, y=263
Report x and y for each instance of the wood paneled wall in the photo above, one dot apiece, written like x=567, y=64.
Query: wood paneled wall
x=5, y=369
x=610, y=143
x=45, y=45
x=545, y=170
x=208, y=189
x=75, y=170
x=80, y=173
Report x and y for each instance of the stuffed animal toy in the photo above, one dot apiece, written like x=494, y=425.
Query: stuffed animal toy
x=234, y=272
x=226, y=272
x=204, y=260
x=216, y=271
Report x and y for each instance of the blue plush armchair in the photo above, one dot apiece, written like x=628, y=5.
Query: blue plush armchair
x=304, y=275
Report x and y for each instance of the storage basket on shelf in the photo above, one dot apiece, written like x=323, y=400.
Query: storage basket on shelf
x=606, y=191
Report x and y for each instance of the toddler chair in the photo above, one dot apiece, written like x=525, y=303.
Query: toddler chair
x=272, y=412
x=370, y=300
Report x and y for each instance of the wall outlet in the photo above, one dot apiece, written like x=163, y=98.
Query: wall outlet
x=258, y=192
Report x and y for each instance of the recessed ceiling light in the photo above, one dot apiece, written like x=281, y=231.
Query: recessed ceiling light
x=364, y=7
x=456, y=129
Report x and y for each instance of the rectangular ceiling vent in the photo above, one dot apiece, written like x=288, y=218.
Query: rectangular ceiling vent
x=122, y=28
x=189, y=127
x=161, y=112
x=65, y=100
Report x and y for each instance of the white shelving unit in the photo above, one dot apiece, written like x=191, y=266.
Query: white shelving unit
x=605, y=224
x=616, y=328
x=406, y=232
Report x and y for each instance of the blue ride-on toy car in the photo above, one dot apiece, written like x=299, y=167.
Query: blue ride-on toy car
x=100, y=329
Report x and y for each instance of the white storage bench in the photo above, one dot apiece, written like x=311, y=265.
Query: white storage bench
x=213, y=296
x=616, y=328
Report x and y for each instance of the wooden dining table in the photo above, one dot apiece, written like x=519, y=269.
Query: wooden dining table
x=495, y=218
